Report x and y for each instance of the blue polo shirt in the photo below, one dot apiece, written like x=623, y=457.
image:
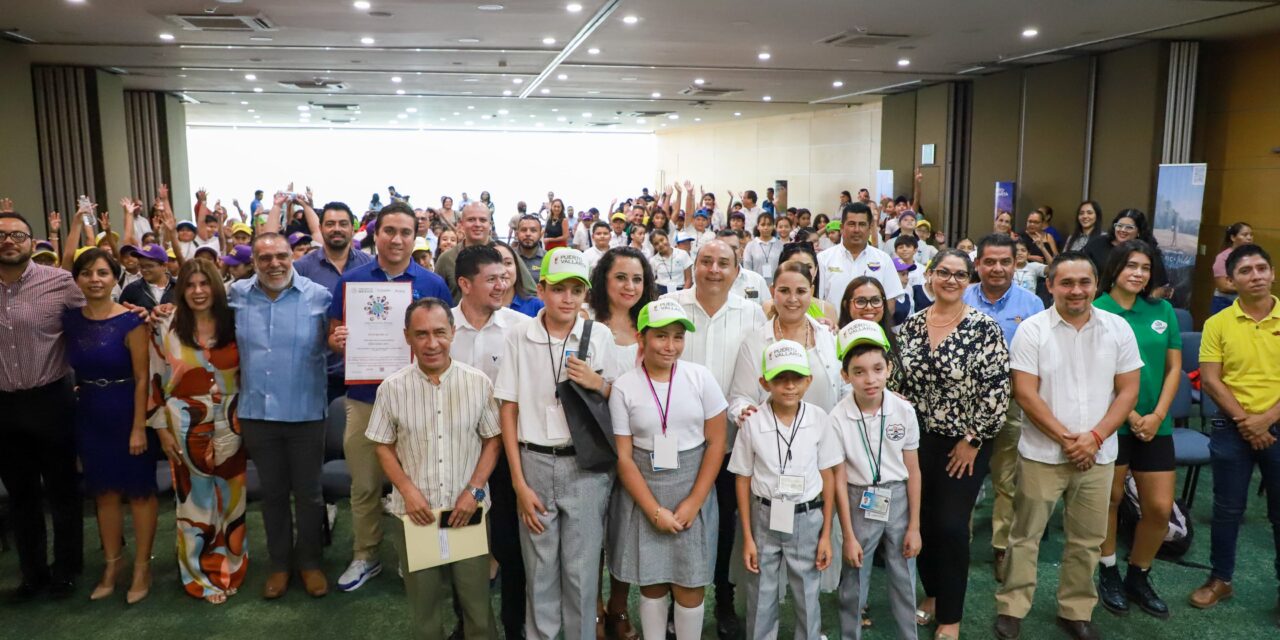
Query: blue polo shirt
x=424, y=284
x=1017, y=304
x=317, y=268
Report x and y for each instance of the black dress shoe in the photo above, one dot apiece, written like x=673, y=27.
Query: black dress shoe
x=1137, y=585
x=1079, y=629
x=62, y=589
x=727, y=626
x=1111, y=589
x=1008, y=627
x=26, y=592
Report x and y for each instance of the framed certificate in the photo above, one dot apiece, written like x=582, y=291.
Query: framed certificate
x=374, y=316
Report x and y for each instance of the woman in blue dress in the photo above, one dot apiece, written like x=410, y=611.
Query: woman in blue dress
x=107, y=346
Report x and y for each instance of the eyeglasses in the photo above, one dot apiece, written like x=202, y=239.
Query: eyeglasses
x=1124, y=227
x=863, y=303
x=17, y=236
x=944, y=275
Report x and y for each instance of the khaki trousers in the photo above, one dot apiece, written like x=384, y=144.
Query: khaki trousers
x=428, y=590
x=1004, y=475
x=366, y=482
x=1086, y=496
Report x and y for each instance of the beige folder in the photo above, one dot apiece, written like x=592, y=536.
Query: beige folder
x=431, y=546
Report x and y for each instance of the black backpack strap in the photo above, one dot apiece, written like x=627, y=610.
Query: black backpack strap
x=585, y=343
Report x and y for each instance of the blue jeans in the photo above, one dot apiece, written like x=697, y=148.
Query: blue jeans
x=1233, y=460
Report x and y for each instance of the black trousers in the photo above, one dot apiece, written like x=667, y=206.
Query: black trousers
x=38, y=465
x=504, y=527
x=946, y=506
x=727, y=500
x=288, y=456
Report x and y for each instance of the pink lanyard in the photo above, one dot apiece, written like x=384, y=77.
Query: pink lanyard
x=670, y=383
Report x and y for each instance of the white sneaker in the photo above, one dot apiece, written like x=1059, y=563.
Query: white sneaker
x=358, y=573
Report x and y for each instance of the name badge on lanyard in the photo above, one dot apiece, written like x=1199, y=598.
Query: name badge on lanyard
x=666, y=450
x=790, y=488
x=875, y=503
x=875, y=499
x=782, y=516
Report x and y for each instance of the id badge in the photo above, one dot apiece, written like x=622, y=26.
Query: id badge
x=782, y=516
x=557, y=423
x=875, y=504
x=666, y=455
x=790, y=487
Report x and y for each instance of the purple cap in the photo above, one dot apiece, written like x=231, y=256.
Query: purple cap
x=153, y=252
x=902, y=266
x=297, y=238
x=128, y=249
x=240, y=254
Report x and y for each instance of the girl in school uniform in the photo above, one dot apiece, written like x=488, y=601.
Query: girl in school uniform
x=785, y=459
x=878, y=486
x=669, y=423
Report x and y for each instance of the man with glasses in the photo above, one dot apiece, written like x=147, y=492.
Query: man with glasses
x=155, y=287
x=280, y=331
x=38, y=458
x=996, y=296
x=839, y=265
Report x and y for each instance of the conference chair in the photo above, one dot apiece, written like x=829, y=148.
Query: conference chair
x=1190, y=447
x=1185, y=322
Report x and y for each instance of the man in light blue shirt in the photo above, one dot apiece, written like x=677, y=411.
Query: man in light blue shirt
x=281, y=332
x=996, y=296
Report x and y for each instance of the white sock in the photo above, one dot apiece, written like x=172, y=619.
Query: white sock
x=653, y=618
x=688, y=622
x=1108, y=561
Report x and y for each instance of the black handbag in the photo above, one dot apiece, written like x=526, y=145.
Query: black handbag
x=587, y=412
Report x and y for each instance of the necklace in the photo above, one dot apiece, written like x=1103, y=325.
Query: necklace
x=948, y=322
x=779, y=334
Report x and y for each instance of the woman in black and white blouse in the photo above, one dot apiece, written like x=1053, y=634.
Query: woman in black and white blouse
x=955, y=370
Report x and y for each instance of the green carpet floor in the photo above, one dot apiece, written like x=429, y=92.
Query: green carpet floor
x=378, y=610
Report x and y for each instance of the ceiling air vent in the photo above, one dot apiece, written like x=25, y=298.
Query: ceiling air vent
x=863, y=39
x=694, y=90
x=211, y=22
x=334, y=106
x=647, y=114
x=315, y=83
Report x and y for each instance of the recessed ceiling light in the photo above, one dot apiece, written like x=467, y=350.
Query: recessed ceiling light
x=485, y=117
x=506, y=92
x=182, y=75
x=166, y=37
x=548, y=41
x=361, y=5
x=561, y=119
x=411, y=110
x=397, y=79
x=631, y=19
x=697, y=119
x=257, y=89
x=673, y=116
x=767, y=98
x=573, y=7
x=244, y=102
x=490, y=7
x=503, y=112
x=468, y=40
x=764, y=55
x=467, y=93
x=517, y=80
x=399, y=92
x=537, y=124
x=664, y=124
x=250, y=77
x=837, y=84
x=303, y=107
x=260, y=38
x=902, y=62
x=594, y=51
x=737, y=113
x=554, y=110
x=251, y=110
x=256, y=116
x=563, y=76
x=1030, y=32
x=546, y=91
x=699, y=81
x=641, y=121
x=468, y=123
x=471, y=79
x=471, y=107
x=367, y=40
x=586, y=114
x=592, y=92
x=655, y=94
x=76, y=1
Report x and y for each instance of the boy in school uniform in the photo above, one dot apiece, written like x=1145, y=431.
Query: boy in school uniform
x=785, y=459
x=878, y=486
x=561, y=508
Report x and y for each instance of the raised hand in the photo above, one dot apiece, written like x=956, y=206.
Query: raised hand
x=6, y=205
x=688, y=186
x=55, y=222
x=201, y=195
x=130, y=206
x=280, y=198
x=163, y=192
x=104, y=220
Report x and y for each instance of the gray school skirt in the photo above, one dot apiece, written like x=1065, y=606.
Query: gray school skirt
x=641, y=555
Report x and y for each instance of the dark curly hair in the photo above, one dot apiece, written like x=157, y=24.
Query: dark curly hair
x=598, y=297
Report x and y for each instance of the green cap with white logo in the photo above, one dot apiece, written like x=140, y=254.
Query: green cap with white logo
x=784, y=355
x=860, y=332
x=662, y=312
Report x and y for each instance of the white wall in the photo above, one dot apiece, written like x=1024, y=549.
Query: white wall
x=819, y=153
x=585, y=169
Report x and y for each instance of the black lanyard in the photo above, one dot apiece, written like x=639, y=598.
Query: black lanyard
x=671, y=382
x=556, y=371
x=866, y=443
x=778, y=440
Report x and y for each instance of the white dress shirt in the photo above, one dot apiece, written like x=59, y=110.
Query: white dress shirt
x=762, y=448
x=715, y=344
x=901, y=433
x=838, y=268
x=751, y=285
x=592, y=256
x=482, y=348
x=1077, y=372
x=825, y=389
x=695, y=398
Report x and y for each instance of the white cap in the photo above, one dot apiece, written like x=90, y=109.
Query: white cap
x=785, y=355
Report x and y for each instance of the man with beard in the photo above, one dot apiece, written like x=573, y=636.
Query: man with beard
x=529, y=237
x=283, y=328
x=474, y=228
x=325, y=267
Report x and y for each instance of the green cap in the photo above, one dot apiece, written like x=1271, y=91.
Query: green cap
x=662, y=312
x=784, y=355
x=834, y=225
x=860, y=332
x=562, y=263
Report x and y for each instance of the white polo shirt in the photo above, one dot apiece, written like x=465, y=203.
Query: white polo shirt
x=715, y=344
x=695, y=398
x=527, y=372
x=1077, y=372
x=762, y=256
x=592, y=256
x=826, y=388
x=751, y=286
x=669, y=271
x=762, y=447
x=699, y=239
x=901, y=433
x=482, y=348
x=838, y=268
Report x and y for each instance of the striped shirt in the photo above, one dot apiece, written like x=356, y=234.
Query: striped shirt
x=32, y=353
x=436, y=429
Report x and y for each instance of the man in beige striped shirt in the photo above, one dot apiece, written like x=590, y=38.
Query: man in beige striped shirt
x=435, y=423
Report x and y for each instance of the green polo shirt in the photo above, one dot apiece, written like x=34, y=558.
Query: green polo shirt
x=1156, y=327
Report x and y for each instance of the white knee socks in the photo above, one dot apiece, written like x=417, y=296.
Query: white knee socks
x=653, y=617
x=688, y=622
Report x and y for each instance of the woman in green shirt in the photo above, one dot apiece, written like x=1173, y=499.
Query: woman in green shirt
x=1146, y=440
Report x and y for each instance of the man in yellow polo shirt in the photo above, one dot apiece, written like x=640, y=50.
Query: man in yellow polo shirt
x=1240, y=370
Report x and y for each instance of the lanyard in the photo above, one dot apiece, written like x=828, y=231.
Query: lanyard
x=556, y=371
x=778, y=440
x=866, y=443
x=662, y=413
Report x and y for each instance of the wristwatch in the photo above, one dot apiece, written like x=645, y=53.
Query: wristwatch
x=974, y=441
x=477, y=493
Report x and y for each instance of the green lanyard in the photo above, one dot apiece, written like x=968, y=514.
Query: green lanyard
x=866, y=443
